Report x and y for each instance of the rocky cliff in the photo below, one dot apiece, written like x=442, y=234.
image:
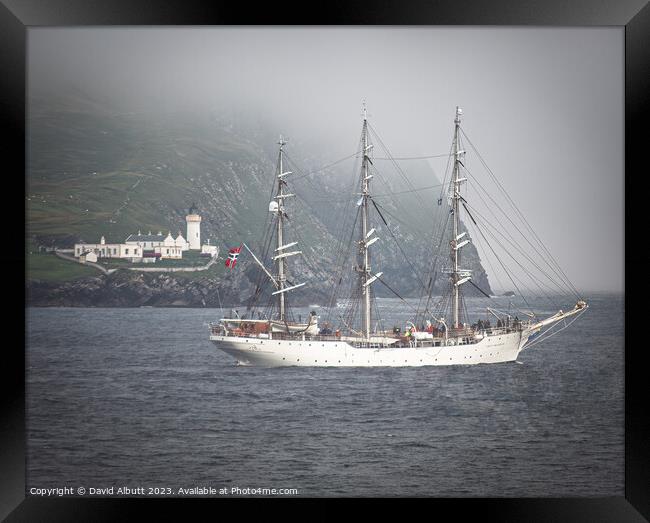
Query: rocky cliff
x=93, y=172
x=132, y=289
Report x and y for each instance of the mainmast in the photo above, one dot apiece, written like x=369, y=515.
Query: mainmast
x=458, y=275
x=365, y=241
x=280, y=196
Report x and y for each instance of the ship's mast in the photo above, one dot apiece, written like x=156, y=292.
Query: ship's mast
x=280, y=198
x=277, y=207
x=455, y=251
x=365, y=192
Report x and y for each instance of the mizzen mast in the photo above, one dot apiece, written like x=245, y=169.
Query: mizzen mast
x=458, y=275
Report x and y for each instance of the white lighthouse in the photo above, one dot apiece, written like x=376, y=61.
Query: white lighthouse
x=193, y=229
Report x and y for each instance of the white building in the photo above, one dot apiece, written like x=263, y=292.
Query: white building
x=146, y=242
x=212, y=250
x=182, y=242
x=193, y=221
x=147, y=247
x=108, y=250
x=88, y=256
x=169, y=252
x=164, y=246
x=169, y=248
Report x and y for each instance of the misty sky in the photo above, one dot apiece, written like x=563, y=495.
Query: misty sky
x=545, y=106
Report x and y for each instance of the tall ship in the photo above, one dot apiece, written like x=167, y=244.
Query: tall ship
x=440, y=332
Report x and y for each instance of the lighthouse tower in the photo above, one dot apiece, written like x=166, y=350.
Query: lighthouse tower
x=193, y=229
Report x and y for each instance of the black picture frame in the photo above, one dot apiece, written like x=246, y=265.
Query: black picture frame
x=16, y=16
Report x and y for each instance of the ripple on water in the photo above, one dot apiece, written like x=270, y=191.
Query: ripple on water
x=106, y=404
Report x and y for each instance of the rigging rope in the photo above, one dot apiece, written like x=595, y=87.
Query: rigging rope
x=405, y=192
x=535, y=280
x=398, y=244
x=303, y=175
x=479, y=249
x=507, y=233
x=413, y=157
x=498, y=259
x=396, y=165
x=522, y=217
x=545, y=335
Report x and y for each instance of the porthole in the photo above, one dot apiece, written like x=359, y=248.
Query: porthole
x=298, y=359
x=283, y=359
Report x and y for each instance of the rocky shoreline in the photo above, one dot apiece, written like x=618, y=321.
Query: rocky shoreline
x=122, y=289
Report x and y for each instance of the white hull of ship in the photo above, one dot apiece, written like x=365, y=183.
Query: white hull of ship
x=310, y=353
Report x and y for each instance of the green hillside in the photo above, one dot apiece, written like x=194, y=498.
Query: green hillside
x=93, y=171
x=145, y=178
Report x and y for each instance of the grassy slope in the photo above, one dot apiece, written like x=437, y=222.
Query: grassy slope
x=131, y=174
x=49, y=267
x=99, y=173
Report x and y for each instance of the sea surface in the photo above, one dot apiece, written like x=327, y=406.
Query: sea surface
x=140, y=398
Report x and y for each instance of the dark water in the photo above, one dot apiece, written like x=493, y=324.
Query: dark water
x=140, y=398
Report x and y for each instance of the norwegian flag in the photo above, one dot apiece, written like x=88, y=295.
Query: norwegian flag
x=232, y=257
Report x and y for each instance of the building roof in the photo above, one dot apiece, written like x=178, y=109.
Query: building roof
x=97, y=245
x=145, y=238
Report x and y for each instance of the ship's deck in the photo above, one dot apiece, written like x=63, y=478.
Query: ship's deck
x=464, y=336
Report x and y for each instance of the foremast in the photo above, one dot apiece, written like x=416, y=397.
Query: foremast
x=277, y=206
x=279, y=279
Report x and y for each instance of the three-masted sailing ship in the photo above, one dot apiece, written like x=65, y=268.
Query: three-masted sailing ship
x=447, y=339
